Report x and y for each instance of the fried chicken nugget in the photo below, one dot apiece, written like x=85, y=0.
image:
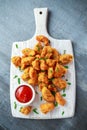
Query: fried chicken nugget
x=56, y=54
x=47, y=95
x=16, y=60
x=65, y=59
x=26, y=110
x=33, y=82
x=59, y=71
x=43, y=39
x=46, y=107
x=33, y=73
x=38, y=48
x=28, y=52
x=59, y=83
x=50, y=62
x=59, y=99
x=25, y=76
x=42, y=77
x=46, y=51
x=43, y=65
x=27, y=61
x=50, y=72
x=36, y=64
x=41, y=85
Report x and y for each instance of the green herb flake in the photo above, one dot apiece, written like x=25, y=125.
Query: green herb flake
x=20, y=69
x=51, y=79
x=19, y=81
x=64, y=90
x=15, y=76
x=36, y=92
x=55, y=104
x=64, y=52
x=35, y=110
x=66, y=67
x=20, y=109
x=43, y=70
x=41, y=98
x=69, y=83
x=64, y=95
x=38, y=48
x=51, y=71
x=62, y=113
x=15, y=105
x=16, y=45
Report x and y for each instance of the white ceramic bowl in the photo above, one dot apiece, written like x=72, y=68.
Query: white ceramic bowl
x=29, y=102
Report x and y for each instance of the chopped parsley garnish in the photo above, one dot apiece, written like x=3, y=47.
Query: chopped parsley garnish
x=63, y=90
x=66, y=67
x=15, y=105
x=69, y=83
x=35, y=110
x=43, y=70
x=19, y=81
x=62, y=113
x=20, y=109
x=38, y=48
x=36, y=92
x=55, y=104
x=64, y=52
x=51, y=71
x=16, y=45
x=41, y=98
x=51, y=79
x=15, y=76
x=64, y=95
x=20, y=69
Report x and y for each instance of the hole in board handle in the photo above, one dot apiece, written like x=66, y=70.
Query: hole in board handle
x=40, y=12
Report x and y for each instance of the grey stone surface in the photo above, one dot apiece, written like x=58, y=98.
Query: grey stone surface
x=67, y=20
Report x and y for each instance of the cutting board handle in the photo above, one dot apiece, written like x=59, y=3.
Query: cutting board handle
x=41, y=20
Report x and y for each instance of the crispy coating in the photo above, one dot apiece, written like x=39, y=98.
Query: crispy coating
x=47, y=95
x=33, y=73
x=32, y=82
x=56, y=54
x=59, y=70
x=46, y=107
x=59, y=99
x=25, y=76
x=52, y=87
x=41, y=85
x=36, y=64
x=50, y=62
x=65, y=59
x=16, y=60
x=50, y=72
x=27, y=60
x=59, y=83
x=46, y=51
x=43, y=39
x=42, y=77
x=28, y=52
x=38, y=48
x=26, y=110
x=43, y=65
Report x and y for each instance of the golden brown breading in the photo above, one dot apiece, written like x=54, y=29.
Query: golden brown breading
x=33, y=73
x=47, y=95
x=55, y=55
x=43, y=65
x=33, y=82
x=26, y=51
x=50, y=62
x=27, y=61
x=59, y=83
x=36, y=64
x=65, y=59
x=50, y=72
x=16, y=60
x=43, y=39
x=59, y=70
x=48, y=55
x=52, y=87
x=41, y=85
x=59, y=99
x=25, y=76
x=38, y=48
x=42, y=77
x=26, y=110
x=46, y=107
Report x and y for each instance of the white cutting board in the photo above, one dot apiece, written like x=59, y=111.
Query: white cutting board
x=69, y=109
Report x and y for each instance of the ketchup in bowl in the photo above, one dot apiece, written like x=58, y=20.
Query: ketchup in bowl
x=24, y=94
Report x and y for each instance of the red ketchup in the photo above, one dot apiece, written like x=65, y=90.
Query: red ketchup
x=23, y=94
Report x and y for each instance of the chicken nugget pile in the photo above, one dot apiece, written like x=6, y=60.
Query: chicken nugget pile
x=43, y=66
